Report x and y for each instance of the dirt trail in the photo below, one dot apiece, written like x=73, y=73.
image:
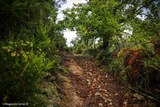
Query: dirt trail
x=91, y=86
x=71, y=99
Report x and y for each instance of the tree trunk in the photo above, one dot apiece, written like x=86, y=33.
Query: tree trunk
x=105, y=42
x=94, y=44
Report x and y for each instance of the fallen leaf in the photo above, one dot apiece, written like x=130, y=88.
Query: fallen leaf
x=116, y=94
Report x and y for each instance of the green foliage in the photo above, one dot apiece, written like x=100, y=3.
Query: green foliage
x=21, y=69
x=119, y=24
x=152, y=71
x=119, y=70
x=152, y=63
x=96, y=19
x=104, y=57
x=28, y=48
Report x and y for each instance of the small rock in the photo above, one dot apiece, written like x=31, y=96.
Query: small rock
x=97, y=93
x=100, y=105
x=89, y=83
x=116, y=94
x=99, y=86
x=94, y=79
x=109, y=100
x=110, y=104
x=106, y=95
x=125, y=103
x=134, y=99
x=139, y=97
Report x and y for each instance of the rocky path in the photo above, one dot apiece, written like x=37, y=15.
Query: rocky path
x=92, y=86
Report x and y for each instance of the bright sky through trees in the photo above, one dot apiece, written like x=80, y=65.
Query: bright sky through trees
x=69, y=35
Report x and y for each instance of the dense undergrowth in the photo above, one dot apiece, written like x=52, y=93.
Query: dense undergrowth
x=30, y=43
x=138, y=66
